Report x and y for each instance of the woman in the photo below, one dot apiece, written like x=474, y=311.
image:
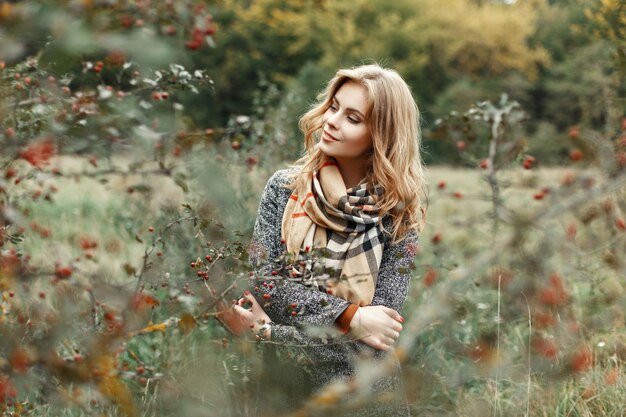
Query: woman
x=354, y=200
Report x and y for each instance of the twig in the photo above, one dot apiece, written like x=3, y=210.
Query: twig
x=495, y=407
x=530, y=331
x=146, y=265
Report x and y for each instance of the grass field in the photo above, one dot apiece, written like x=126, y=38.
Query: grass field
x=522, y=318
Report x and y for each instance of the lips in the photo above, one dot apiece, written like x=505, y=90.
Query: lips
x=327, y=136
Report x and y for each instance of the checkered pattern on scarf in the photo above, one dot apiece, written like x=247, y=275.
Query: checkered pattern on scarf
x=356, y=241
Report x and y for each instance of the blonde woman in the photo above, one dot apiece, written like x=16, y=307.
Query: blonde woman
x=355, y=198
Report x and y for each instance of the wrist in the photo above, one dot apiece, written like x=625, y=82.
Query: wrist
x=346, y=319
x=356, y=319
x=264, y=332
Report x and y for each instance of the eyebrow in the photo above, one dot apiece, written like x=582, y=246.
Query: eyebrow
x=349, y=108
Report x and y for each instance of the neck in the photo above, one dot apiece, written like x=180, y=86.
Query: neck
x=352, y=171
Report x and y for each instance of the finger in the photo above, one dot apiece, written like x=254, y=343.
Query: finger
x=395, y=326
x=244, y=314
x=256, y=307
x=248, y=296
x=374, y=343
x=393, y=335
x=394, y=314
x=382, y=346
x=388, y=341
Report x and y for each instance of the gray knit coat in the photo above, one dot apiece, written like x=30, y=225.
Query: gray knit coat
x=301, y=360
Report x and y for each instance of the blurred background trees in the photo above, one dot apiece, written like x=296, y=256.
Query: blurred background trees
x=563, y=61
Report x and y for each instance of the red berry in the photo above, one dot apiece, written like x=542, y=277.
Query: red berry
x=151, y=229
x=267, y=296
x=460, y=145
x=193, y=44
x=209, y=258
x=458, y=195
x=528, y=162
x=582, y=360
x=576, y=155
x=430, y=277
x=539, y=196
x=484, y=164
x=274, y=273
x=620, y=223
x=65, y=272
x=441, y=185
x=294, y=305
x=436, y=238
x=193, y=264
x=294, y=313
x=235, y=145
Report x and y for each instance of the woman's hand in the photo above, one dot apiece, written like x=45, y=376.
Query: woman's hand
x=376, y=326
x=238, y=320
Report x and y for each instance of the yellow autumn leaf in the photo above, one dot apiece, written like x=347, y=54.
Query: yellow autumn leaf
x=104, y=367
x=116, y=391
x=160, y=327
x=186, y=323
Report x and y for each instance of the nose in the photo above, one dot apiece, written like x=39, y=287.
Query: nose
x=332, y=121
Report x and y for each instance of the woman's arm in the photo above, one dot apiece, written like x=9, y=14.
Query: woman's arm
x=377, y=326
x=255, y=320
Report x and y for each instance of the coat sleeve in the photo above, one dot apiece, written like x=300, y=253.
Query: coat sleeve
x=391, y=291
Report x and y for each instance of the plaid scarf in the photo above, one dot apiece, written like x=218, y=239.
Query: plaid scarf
x=355, y=246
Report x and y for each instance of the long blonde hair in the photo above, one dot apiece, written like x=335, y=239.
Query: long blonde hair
x=393, y=119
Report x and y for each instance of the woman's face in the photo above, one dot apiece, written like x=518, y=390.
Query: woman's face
x=345, y=131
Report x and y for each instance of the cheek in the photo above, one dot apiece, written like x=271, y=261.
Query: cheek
x=362, y=137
